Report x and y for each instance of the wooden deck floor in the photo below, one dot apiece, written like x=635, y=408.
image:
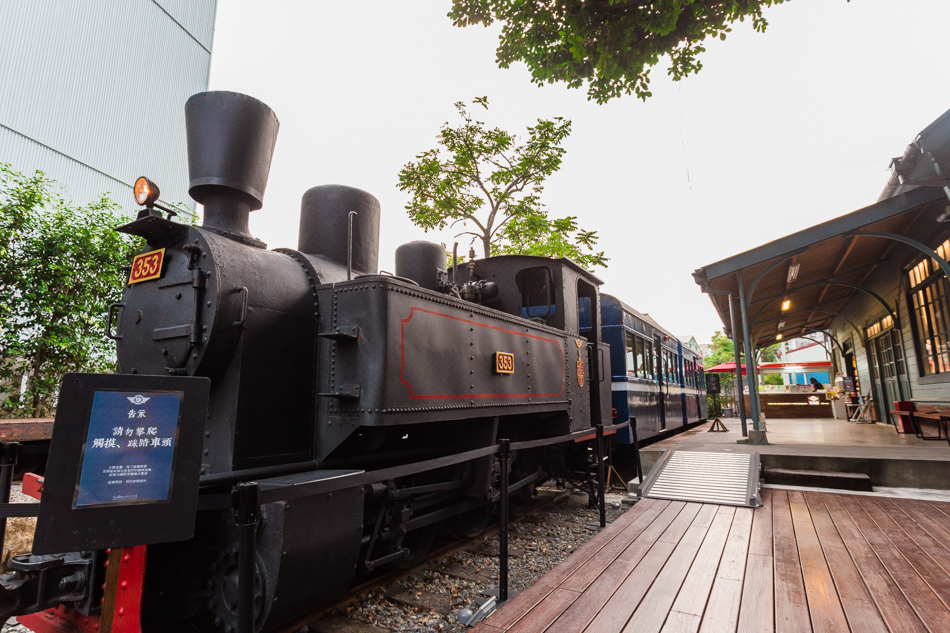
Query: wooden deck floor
x=805, y=561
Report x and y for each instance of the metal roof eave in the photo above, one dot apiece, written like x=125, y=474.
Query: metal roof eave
x=787, y=245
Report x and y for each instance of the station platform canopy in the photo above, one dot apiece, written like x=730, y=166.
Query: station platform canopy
x=799, y=283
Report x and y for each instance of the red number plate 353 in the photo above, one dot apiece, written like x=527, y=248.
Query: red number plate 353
x=147, y=266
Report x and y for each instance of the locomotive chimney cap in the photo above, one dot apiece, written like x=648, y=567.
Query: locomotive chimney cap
x=231, y=138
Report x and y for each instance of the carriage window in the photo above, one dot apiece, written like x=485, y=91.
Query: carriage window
x=537, y=292
x=631, y=359
x=648, y=360
x=641, y=368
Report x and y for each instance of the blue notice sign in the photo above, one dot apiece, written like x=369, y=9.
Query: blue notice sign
x=130, y=448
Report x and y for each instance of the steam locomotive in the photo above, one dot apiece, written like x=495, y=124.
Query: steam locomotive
x=282, y=420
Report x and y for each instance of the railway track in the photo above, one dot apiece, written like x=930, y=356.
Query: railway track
x=455, y=575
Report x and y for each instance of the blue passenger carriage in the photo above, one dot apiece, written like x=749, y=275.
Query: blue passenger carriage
x=655, y=379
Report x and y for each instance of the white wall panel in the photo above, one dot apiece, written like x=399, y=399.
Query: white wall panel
x=81, y=184
x=104, y=82
x=194, y=17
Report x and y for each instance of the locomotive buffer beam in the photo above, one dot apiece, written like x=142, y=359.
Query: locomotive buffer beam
x=43, y=582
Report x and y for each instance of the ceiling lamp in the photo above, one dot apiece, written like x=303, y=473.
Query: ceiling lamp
x=786, y=304
x=793, y=272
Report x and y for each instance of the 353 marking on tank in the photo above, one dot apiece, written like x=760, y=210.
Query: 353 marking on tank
x=504, y=363
x=147, y=266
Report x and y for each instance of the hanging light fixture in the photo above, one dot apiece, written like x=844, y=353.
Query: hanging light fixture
x=793, y=272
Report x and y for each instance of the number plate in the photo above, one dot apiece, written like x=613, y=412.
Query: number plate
x=504, y=363
x=147, y=266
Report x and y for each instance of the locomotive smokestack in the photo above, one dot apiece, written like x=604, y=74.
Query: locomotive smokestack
x=324, y=217
x=231, y=140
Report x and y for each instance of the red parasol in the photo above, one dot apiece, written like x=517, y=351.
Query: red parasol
x=726, y=368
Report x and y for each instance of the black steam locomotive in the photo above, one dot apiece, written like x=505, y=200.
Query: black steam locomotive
x=365, y=408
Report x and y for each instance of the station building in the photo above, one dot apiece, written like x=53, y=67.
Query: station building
x=94, y=91
x=875, y=281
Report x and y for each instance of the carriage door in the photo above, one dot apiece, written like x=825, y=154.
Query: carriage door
x=661, y=373
x=596, y=353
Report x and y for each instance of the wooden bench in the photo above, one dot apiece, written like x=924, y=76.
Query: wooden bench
x=941, y=417
x=909, y=414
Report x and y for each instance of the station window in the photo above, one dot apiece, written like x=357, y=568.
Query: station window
x=536, y=286
x=931, y=309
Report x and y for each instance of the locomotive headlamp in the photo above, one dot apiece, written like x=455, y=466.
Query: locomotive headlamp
x=146, y=192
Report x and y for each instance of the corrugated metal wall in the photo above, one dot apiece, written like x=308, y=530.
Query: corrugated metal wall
x=94, y=91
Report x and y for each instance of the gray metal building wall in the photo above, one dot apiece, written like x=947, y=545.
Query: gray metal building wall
x=92, y=92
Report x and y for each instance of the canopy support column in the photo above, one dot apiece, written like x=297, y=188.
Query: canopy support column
x=735, y=349
x=749, y=357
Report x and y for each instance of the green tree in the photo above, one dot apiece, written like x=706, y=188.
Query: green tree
x=491, y=183
x=610, y=44
x=722, y=350
x=60, y=268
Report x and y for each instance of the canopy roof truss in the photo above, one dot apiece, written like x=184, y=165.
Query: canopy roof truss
x=820, y=269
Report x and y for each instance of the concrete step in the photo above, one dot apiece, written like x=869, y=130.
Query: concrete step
x=817, y=479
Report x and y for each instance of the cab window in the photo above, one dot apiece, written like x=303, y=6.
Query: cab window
x=536, y=286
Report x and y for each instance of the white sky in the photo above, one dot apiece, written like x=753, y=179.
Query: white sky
x=778, y=132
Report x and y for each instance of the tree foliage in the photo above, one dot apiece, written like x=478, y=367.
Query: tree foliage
x=610, y=44
x=722, y=350
x=60, y=268
x=491, y=183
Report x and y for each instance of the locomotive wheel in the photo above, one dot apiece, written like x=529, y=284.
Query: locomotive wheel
x=471, y=523
x=419, y=542
x=224, y=600
x=520, y=500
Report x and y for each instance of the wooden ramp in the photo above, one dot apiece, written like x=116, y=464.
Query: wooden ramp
x=803, y=561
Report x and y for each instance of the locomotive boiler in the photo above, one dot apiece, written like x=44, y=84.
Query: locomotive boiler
x=330, y=418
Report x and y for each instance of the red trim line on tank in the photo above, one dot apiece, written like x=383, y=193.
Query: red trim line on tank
x=402, y=368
